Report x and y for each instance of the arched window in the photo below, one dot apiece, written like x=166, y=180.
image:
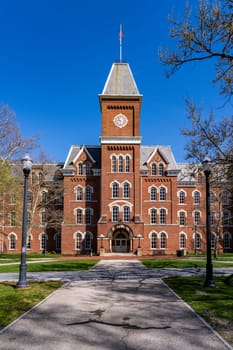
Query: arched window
x=79, y=194
x=43, y=239
x=199, y=178
x=34, y=178
x=29, y=241
x=40, y=178
x=12, y=218
x=79, y=216
x=153, y=216
x=126, y=213
x=115, y=214
x=88, y=168
x=226, y=217
x=88, y=237
x=181, y=197
x=88, y=193
x=163, y=240
x=196, y=197
x=57, y=238
x=115, y=190
x=212, y=197
x=88, y=216
x=44, y=196
x=120, y=164
x=80, y=169
x=126, y=191
x=78, y=241
x=197, y=241
x=29, y=219
x=213, y=240
x=161, y=169
x=43, y=217
x=197, y=218
x=153, y=194
x=182, y=218
x=30, y=197
x=113, y=164
x=127, y=164
x=226, y=240
x=162, y=194
x=153, y=169
x=182, y=241
x=154, y=240
x=225, y=197
x=162, y=216
x=12, y=241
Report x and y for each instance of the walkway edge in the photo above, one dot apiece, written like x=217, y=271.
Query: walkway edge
x=199, y=317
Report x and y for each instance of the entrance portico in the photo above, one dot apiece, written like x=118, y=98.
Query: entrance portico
x=120, y=239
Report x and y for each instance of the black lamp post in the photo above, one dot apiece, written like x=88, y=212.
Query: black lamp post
x=209, y=282
x=22, y=282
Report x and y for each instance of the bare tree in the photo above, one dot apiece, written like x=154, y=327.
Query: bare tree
x=205, y=35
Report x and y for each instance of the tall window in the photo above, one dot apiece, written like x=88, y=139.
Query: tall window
x=88, y=193
x=29, y=241
x=115, y=214
x=115, y=190
x=126, y=213
x=58, y=241
x=154, y=240
x=113, y=164
x=30, y=197
x=79, y=216
x=88, y=168
x=29, y=219
x=225, y=197
x=120, y=164
x=182, y=241
x=80, y=169
x=197, y=241
x=153, y=216
x=12, y=241
x=88, y=216
x=13, y=218
x=196, y=197
x=78, y=241
x=127, y=164
x=162, y=194
x=153, y=194
x=43, y=239
x=226, y=217
x=88, y=241
x=43, y=218
x=34, y=178
x=44, y=196
x=126, y=190
x=163, y=241
x=199, y=178
x=213, y=241
x=161, y=169
x=197, y=218
x=162, y=216
x=79, y=194
x=40, y=178
x=153, y=169
x=181, y=197
x=182, y=218
x=212, y=218
x=226, y=240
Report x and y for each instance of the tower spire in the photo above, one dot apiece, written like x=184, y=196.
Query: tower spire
x=120, y=37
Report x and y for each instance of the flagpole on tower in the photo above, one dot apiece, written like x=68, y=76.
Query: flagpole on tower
x=120, y=37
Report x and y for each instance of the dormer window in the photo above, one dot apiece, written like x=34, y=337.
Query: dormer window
x=153, y=169
x=80, y=169
x=161, y=169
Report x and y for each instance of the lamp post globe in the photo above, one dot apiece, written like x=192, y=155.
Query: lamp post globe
x=209, y=281
x=22, y=282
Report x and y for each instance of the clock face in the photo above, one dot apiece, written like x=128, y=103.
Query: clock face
x=120, y=120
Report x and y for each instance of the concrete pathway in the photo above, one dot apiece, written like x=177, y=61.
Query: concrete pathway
x=117, y=305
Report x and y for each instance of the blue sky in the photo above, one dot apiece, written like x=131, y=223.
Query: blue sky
x=55, y=56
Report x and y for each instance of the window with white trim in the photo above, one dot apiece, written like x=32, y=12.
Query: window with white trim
x=182, y=241
x=196, y=197
x=88, y=216
x=163, y=240
x=154, y=240
x=88, y=193
x=162, y=216
x=79, y=194
x=126, y=213
x=12, y=241
x=182, y=218
x=126, y=190
x=181, y=197
x=78, y=241
x=153, y=194
x=114, y=164
x=79, y=215
x=120, y=164
x=115, y=214
x=153, y=216
x=127, y=164
x=115, y=190
x=161, y=169
x=162, y=194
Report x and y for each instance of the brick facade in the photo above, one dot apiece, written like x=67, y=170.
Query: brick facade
x=122, y=196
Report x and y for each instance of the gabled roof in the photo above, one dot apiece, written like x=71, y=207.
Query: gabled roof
x=93, y=152
x=120, y=81
x=165, y=151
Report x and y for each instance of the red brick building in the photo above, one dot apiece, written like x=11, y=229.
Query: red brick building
x=121, y=196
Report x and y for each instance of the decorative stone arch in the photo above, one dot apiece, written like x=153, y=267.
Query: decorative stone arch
x=120, y=239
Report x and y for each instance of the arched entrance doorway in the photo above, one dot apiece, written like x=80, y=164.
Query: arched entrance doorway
x=120, y=241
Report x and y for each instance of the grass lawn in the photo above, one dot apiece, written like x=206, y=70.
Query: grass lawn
x=14, y=303
x=180, y=263
x=63, y=265
x=215, y=305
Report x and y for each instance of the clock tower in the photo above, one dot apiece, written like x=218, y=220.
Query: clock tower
x=120, y=104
